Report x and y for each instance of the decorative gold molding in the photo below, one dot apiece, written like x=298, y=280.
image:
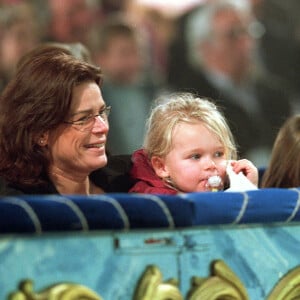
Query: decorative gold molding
x=151, y=286
x=222, y=284
x=288, y=287
x=60, y=291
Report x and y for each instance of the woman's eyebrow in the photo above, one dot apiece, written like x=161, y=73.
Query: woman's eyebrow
x=90, y=110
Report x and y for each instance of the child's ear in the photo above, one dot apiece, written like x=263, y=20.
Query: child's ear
x=159, y=166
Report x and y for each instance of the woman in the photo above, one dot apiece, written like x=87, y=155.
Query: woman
x=54, y=126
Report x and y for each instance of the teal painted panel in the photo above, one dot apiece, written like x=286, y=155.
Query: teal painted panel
x=258, y=255
x=111, y=263
x=92, y=260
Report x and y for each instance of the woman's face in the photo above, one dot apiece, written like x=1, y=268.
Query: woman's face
x=76, y=149
x=196, y=155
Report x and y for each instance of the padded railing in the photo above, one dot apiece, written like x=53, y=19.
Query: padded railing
x=37, y=214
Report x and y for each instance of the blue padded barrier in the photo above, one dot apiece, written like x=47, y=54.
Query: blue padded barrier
x=34, y=213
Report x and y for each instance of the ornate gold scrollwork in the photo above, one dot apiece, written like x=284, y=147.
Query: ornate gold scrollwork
x=151, y=287
x=60, y=291
x=288, y=287
x=222, y=284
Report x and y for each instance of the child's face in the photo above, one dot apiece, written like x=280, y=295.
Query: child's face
x=196, y=155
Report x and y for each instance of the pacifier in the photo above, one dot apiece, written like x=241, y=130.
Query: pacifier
x=214, y=183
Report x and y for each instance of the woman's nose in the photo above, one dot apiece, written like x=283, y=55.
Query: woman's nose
x=100, y=125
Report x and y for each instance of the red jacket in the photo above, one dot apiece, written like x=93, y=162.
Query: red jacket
x=147, y=181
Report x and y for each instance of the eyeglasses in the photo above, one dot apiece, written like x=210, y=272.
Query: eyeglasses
x=87, y=122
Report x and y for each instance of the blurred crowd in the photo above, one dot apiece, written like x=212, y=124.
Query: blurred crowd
x=246, y=58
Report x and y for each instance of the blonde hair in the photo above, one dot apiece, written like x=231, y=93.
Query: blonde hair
x=186, y=108
x=284, y=167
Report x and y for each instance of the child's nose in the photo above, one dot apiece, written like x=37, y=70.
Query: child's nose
x=210, y=163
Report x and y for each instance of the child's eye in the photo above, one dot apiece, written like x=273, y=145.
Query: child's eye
x=219, y=154
x=195, y=156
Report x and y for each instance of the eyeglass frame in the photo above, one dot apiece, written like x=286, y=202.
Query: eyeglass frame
x=103, y=114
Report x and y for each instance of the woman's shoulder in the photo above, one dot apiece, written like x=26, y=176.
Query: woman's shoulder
x=11, y=189
x=7, y=190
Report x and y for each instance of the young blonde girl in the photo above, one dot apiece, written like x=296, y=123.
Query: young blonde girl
x=187, y=142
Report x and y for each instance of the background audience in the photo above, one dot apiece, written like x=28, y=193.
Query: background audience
x=70, y=21
x=279, y=46
x=250, y=44
x=19, y=33
x=129, y=85
x=221, y=48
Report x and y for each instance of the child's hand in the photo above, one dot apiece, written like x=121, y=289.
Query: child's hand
x=247, y=168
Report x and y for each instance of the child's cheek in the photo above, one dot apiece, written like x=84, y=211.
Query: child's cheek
x=221, y=166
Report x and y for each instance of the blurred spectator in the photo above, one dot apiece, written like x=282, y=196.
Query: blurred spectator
x=19, y=33
x=128, y=88
x=109, y=7
x=77, y=49
x=71, y=21
x=220, y=64
x=280, y=45
x=158, y=28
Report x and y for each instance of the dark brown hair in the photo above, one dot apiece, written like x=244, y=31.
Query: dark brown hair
x=284, y=167
x=36, y=100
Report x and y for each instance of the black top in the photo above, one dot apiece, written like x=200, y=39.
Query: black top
x=113, y=178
